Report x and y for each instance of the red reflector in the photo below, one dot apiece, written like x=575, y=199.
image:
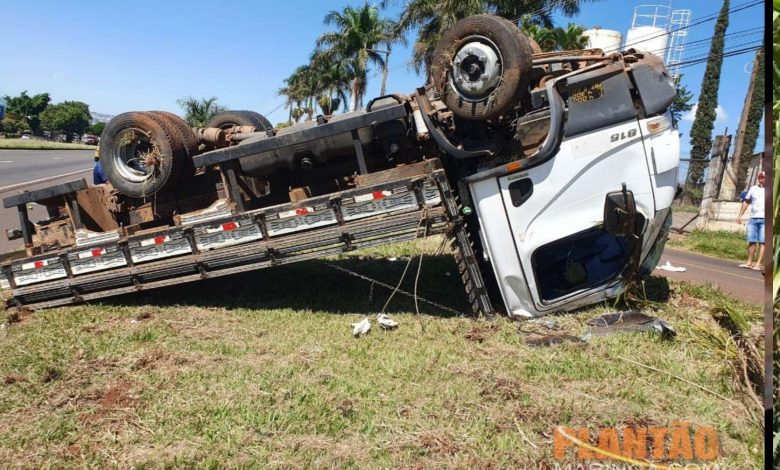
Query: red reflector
x=39, y=264
x=229, y=226
x=97, y=252
x=378, y=195
x=159, y=240
x=301, y=211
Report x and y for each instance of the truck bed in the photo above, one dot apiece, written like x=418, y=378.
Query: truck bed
x=399, y=204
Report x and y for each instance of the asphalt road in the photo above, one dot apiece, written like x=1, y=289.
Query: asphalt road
x=741, y=283
x=19, y=166
x=27, y=165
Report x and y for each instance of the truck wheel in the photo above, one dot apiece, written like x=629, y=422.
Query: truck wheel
x=481, y=66
x=140, y=155
x=227, y=119
x=185, y=141
x=190, y=140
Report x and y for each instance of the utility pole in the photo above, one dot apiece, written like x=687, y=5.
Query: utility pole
x=728, y=187
x=720, y=152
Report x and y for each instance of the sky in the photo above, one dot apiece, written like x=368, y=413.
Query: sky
x=143, y=55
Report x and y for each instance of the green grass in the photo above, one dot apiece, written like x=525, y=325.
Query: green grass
x=260, y=370
x=719, y=243
x=35, y=144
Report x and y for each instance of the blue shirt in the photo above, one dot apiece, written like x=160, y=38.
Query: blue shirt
x=98, y=177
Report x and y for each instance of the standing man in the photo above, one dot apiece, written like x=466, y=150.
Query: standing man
x=98, y=176
x=755, y=226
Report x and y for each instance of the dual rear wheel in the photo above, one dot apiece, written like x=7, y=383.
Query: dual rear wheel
x=144, y=153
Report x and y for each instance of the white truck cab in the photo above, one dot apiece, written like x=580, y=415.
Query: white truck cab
x=544, y=229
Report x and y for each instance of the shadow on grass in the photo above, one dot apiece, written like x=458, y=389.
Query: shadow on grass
x=312, y=285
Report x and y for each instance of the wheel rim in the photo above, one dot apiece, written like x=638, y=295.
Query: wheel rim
x=476, y=68
x=135, y=156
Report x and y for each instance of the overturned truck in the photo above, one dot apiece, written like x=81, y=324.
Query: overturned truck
x=552, y=173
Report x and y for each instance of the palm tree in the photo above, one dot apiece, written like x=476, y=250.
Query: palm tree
x=334, y=76
x=299, y=89
x=433, y=17
x=545, y=37
x=359, y=32
x=570, y=38
x=197, y=112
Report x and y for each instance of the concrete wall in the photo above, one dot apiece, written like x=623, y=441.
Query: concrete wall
x=723, y=216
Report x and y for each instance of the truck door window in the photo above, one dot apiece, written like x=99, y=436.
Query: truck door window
x=581, y=261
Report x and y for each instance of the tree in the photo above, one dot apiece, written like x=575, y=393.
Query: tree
x=14, y=124
x=197, y=112
x=431, y=18
x=570, y=38
x=755, y=112
x=359, y=32
x=96, y=129
x=543, y=36
x=28, y=108
x=555, y=39
x=682, y=101
x=703, y=123
x=68, y=117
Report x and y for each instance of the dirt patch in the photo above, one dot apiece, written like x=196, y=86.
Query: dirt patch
x=478, y=334
x=438, y=443
x=115, y=397
x=18, y=315
x=11, y=379
x=118, y=396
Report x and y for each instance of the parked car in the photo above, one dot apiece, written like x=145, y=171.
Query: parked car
x=90, y=139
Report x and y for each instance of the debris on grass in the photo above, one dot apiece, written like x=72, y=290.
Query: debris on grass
x=385, y=322
x=362, y=327
x=631, y=320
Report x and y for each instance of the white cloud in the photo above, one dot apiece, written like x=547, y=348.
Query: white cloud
x=720, y=114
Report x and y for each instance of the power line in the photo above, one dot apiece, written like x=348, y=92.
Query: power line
x=733, y=53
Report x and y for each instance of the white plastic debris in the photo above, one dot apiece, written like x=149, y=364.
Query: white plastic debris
x=392, y=258
x=361, y=327
x=386, y=322
x=668, y=267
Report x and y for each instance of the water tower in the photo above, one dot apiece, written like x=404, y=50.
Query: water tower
x=661, y=31
x=605, y=39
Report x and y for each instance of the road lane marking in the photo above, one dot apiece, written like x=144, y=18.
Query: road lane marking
x=6, y=161
x=57, y=158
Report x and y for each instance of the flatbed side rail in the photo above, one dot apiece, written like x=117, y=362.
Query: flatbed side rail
x=388, y=212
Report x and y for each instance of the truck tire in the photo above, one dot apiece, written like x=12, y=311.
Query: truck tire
x=190, y=139
x=481, y=67
x=140, y=155
x=228, y=119
x=186, y=144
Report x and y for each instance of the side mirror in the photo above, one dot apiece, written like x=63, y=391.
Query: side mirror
x=620, y=212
